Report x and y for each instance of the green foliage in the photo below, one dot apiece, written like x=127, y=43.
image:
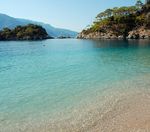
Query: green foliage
x=122, y=20
x=117, y=12
x=29, y=32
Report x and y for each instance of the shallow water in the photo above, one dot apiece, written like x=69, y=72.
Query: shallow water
x=40, y=79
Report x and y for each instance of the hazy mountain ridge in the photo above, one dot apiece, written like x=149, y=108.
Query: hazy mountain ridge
x=11, y=22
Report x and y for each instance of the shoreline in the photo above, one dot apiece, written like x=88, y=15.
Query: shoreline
x=123, y=110
x=117, y=110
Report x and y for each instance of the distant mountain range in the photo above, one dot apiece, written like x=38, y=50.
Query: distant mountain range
x=11, y=22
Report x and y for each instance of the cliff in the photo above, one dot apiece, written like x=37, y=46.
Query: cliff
x=120, y=23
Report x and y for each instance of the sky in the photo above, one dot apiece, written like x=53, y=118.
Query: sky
x=70, y=14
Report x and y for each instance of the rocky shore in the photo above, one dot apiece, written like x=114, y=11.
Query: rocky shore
x=138, y=33
x=132, y=22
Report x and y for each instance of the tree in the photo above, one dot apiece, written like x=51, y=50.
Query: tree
x=100, y=16
x=139, y=4
x=29, y=32
x=108, y=12
x=6, y=30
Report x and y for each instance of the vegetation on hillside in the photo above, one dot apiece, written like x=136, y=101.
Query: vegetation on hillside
x=121, y=20
x=28, y=32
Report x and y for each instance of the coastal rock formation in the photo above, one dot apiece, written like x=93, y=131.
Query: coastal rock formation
x=140, y=33
x=99, y=35
x=120, y=23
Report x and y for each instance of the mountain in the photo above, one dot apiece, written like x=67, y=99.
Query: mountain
x=11, y=22
x=132, y=22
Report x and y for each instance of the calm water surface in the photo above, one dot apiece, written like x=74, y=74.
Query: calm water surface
x=45, y=77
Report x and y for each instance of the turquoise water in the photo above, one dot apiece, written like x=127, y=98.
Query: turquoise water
x=45, y=77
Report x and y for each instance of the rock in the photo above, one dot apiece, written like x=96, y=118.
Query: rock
x=120, y=37
x=97, y=35
x=140, y=33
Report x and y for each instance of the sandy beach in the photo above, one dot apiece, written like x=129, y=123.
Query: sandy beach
x=75, y=66
x=126, y=111
x=117, y=110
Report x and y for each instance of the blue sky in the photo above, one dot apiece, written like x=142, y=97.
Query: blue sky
x=70, y=14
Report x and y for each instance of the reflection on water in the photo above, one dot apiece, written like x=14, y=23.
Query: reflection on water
x=119, y=43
